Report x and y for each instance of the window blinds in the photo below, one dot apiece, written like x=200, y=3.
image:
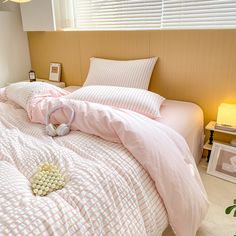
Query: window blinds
x=117, y=14
x=199, y=14
x=147, y=14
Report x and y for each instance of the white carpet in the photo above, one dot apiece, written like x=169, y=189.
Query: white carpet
x=221, y=194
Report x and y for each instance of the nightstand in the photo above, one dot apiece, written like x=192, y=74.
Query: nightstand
x=72, y=88
x=211, y=127
x=58, y=84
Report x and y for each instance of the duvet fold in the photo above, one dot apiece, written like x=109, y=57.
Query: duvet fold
x=162, y=152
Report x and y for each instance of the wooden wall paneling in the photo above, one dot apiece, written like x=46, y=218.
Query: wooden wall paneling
x=63, y=47
x=113, y=45
x=196, y=66
x=193, y=65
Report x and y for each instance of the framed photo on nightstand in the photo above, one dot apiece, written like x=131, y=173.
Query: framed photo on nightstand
x=223, y=162
x=55, y=72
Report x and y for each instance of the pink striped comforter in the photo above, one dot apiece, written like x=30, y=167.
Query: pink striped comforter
x=108, y=192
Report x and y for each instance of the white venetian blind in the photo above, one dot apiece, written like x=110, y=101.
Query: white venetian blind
x=117, y=14
x=199, y=14
x=145, y=14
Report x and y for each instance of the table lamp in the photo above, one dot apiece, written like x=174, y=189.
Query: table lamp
x=226, y=117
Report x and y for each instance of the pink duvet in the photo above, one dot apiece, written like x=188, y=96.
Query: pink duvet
x=159, y=149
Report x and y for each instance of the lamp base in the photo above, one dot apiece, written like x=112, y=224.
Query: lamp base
x=225, y=127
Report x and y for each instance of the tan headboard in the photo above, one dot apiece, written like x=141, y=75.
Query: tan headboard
x=195, y=65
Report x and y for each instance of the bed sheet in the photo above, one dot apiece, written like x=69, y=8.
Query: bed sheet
x=187, y=119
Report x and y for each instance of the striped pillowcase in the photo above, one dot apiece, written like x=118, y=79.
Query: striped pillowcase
x=138, y=100
x=131, y=73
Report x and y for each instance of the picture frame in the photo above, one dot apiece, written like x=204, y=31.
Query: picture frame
x=222, y=162
x=55, y=72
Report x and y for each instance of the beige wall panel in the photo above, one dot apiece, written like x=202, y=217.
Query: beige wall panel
x=113, y=45
x=63, y=47
x=193, y=65
x=197, y=66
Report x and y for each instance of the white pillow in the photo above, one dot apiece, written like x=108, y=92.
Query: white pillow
x=21, y=92
x=131, y=73
x=138, y=100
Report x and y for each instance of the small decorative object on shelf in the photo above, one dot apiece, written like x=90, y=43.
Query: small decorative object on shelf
x=32, y=76
x=55, y=72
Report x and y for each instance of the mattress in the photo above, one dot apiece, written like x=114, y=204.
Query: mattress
x=186, y=118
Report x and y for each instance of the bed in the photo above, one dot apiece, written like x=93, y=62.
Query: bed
x=110, y=188
x=128, y=157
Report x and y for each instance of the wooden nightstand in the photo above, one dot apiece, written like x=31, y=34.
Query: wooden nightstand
x=72, y=88
x=58, y=84
x=211, y=127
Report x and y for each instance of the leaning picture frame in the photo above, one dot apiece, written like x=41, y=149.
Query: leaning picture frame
x=55, y=72
x=222, y=162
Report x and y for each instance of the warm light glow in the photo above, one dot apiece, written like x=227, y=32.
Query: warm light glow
x=227, y=114
x=20, y=1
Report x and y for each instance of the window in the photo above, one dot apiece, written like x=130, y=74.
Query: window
x=199, y=14
x=117, y=14
x=145, y=14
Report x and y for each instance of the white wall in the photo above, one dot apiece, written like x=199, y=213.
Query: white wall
x=14, y=50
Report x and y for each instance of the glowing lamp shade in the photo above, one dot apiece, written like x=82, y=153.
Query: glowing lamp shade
x=227, y=115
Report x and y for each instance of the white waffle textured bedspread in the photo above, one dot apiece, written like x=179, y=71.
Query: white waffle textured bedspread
x=107, y=191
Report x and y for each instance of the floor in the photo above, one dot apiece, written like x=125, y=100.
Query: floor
x=221, y=195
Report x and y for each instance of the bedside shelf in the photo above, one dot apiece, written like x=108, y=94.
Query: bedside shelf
x=72, y=88
x=58, y=84
x=211, y=126
x=208, y=145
